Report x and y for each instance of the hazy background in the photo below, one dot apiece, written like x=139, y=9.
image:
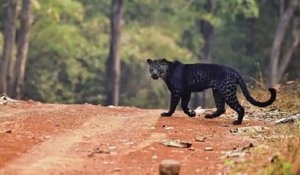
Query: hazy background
x=69, y=57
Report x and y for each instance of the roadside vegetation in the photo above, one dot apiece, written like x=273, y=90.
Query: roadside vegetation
x=278, y=150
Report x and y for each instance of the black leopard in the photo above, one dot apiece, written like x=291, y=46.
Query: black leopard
x=183, y=79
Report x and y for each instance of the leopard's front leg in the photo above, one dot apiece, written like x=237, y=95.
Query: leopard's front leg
x=175, y=97
x=184, y=104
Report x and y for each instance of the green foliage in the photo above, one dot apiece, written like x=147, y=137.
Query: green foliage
x=70, y=41
x=139, y=87
x=234, y=8
x=135, y=47
x=67, y=52
x=66, y=10
x=70, y=53
x=279, y=167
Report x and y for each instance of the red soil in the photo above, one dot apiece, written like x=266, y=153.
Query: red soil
x=38, y=138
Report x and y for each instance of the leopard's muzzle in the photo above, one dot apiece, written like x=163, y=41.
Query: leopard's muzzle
x=154, y=76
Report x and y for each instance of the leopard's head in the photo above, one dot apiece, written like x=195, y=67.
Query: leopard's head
x=158, y=68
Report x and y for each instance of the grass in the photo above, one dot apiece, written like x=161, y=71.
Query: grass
x=276, y=152
x=288, y=96
x=273, y=155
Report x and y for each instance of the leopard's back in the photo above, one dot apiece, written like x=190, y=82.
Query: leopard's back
x=198, y=77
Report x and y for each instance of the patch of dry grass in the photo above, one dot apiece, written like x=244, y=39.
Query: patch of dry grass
x=274, y=155
x=288, y=95
x=278, y=151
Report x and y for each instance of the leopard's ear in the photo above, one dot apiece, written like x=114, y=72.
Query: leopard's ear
x=164, y=60
x=149, y=61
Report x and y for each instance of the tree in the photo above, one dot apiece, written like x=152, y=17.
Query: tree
x=113, y=60
x=9, y=40
x=65, y=63
x=287, y=17
x=22, y=50
x=207, y=30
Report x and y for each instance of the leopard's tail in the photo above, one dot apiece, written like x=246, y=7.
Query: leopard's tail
x=252, y=100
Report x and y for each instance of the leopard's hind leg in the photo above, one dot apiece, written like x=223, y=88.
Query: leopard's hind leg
x=220, y=104
x=232, y=101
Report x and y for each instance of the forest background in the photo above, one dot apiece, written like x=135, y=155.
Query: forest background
x=94, y=51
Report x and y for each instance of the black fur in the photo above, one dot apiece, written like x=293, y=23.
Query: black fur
x=183, y=79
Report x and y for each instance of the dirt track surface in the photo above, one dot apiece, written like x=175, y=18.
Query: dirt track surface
x=38, y=138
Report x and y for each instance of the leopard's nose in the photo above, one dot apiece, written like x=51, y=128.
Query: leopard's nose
x=154, y=76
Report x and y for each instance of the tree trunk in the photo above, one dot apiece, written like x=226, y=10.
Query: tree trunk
x=22, y=50
x=286, y=58
x=207, y=31
x=9, y=40
x=281, y=29
x=113, y=61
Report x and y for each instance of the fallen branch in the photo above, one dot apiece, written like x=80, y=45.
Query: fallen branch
x=290, y=119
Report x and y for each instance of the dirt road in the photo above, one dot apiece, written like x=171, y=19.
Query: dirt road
x=38, y=138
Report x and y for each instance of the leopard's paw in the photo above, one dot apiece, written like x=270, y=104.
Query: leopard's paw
x=237, y=122
x=191, y=113
x=166, y=114
x=209, y=116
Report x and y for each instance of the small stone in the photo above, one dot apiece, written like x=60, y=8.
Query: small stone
x=225, y=125
x=275, y=158
x=198, y=170
x=192, y=149
x=268, y=120
x=112, y=147
x=149, y=127
x=114, y=153
x=208, y=149
x=235, y=130
x=290, y=82
x=87, y=137
x=106, y=162
x=200, y=139
x=90, y=155
x=8, y=131
x=129, y=143
x=251, y=145
x=47, y=137
x=168, y=127
x=169, y=167
x=176, y=143
x=250, y=129
x=234, y=153
x=99, y=151
x=154, y=157
x=117, y=169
